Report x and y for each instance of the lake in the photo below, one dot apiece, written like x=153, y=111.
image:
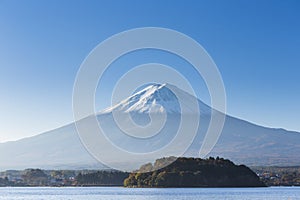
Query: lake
x=112, y=193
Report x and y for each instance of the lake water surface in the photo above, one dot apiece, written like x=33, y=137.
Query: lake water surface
x=111, y=193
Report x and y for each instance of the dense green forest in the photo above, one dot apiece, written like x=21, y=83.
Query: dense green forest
x=102, y=178
x=194, y=172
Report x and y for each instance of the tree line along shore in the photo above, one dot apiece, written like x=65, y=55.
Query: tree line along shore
x=184, y=172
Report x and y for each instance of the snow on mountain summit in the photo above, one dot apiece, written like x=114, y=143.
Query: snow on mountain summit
x=158, y=98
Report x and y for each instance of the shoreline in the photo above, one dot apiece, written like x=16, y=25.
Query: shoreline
x=147, y=187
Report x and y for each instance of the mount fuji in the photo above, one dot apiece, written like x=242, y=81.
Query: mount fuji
x=158, y=98
x=240, y=141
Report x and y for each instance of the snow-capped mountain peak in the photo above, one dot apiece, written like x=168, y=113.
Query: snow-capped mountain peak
x=159, y=98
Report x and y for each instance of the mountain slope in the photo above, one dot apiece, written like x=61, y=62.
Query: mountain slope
x=60, y=148
x=240, y=141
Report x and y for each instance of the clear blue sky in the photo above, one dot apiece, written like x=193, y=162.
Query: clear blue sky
x=255, y=44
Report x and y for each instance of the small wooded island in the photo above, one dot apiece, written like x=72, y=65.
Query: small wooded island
x=194, y=172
